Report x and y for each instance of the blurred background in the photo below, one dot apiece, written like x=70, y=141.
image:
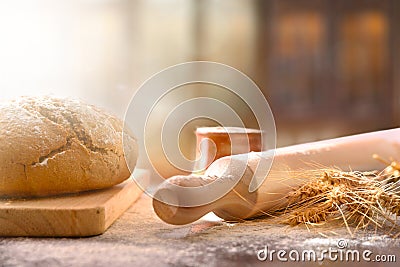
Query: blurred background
x=327, y=68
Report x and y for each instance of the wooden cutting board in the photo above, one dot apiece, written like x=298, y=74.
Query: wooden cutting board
x=78, y=215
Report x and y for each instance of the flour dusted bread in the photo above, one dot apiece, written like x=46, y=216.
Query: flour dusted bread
x=52, y=146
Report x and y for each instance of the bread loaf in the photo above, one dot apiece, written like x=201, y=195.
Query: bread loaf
x=52, y=146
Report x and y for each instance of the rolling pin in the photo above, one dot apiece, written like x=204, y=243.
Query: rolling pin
x=348, y=153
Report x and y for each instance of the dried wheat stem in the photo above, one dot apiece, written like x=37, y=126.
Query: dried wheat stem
x=357, y=198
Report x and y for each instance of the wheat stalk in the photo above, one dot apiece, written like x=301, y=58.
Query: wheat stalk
x=357, y=198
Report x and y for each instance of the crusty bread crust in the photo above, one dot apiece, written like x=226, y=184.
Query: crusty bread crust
x=52, y=146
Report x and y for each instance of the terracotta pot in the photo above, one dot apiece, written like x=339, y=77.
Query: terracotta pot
x=217, y=142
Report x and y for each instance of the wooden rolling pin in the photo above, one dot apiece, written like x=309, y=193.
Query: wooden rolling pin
x=347, y=153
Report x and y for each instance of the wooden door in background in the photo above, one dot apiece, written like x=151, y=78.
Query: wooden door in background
x=326, y=66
